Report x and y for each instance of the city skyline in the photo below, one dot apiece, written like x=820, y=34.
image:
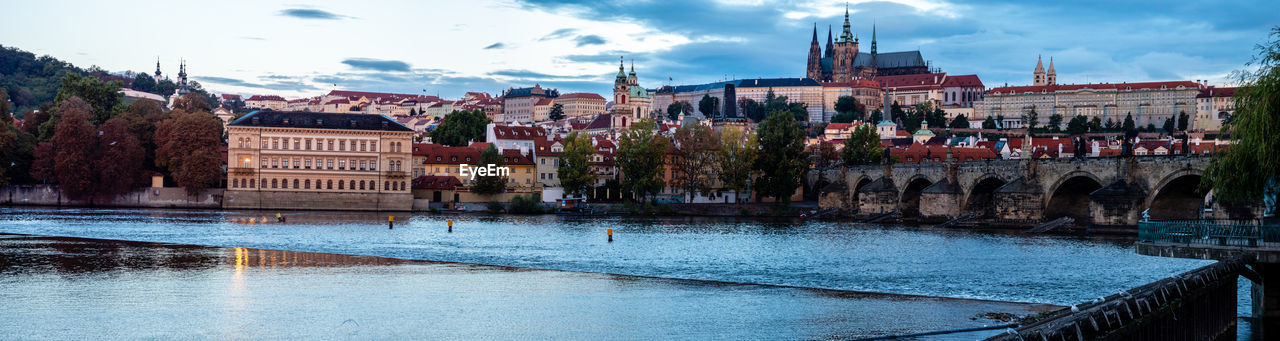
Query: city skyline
x=302, y=51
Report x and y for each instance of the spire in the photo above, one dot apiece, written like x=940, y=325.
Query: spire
x=633, y=67
x=830, y=46
x=815, y=34
x=846, y=36
x=873, y=37
x=622, y=71
x=157, y=66
x=1039, y=64
x=1051, y=66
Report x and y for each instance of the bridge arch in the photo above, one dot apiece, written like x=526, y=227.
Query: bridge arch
x=980, y=199
x=855, y=188
x=1069, y=196
x=1177, y=196
x=909, y=199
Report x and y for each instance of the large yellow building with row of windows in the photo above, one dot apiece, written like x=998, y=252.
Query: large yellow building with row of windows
x=285, y=160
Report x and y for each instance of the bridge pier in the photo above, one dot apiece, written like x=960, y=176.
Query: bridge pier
x=1266, y=299
x=1117, y=204
x=1019, y=200
x=941, y=201
x=880, y=196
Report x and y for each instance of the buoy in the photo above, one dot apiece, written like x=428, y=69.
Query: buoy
x=610, y=232
x=450, y=226
x=391, y=222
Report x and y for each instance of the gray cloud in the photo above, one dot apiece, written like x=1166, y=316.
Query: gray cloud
x=557, y=34
x=495, y=46
x=289, y=83
x=589, y=40
x=309, y=13
x=376, y=64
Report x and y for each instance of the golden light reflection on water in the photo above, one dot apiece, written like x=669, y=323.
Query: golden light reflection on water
x=246, y=258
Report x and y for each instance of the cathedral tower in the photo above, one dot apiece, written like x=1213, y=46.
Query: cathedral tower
x=1052, y=77
x=846, y=50
x=814, y=68
x=1038, y=78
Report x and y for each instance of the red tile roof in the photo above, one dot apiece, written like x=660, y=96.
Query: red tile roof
x=265, y=98
x=857, y=83
x=513, y=157
x=228, y=97
x=1096, y=86
x=966, y=81
x=519, y=132
x=439, y=154
x=1214, y=91
x=436, y=182
x=907, y=82
x=585, y=95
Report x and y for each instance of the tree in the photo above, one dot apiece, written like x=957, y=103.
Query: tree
x=849, y=106
x=102, y=97
x=143, y=82
x=911, y=121
x=989, y=123
x=895, y=112
x=1182, y=120
x=1096, y=124
x=773, y=103
x=1129, y=125
x=142, y=117
x=1078, y=125
x=640, y=156
x=575, y=164
x=1150, y=127
x=120, y=157
x=673, y=111
x=876, y=116
x=750, y=109
x=459, y=128
x=187, y=145
x=1111, y=125
x=844, y=117
x=490, y=184
x=782, y=159
x=1055, y=123
x=827, y=155
x=708, y=106
x=695, y=159
x=5, y=108
x=737, y=154
x=1000, y=122
x=862, y=147
x=1244, y=171
x=1033, y=119
x=557, y=112
x=960, y=122
x=1169, y=126
x=72, y=148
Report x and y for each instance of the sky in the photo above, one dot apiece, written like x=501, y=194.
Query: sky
x=448, y=48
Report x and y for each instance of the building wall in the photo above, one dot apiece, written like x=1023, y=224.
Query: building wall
x=287, y=200
x=582, y=107
x=305, y=163
x=1151, y=106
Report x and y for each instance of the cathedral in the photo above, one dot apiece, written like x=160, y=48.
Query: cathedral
x=842, y=62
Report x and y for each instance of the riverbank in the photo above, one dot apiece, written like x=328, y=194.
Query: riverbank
x=161, y=290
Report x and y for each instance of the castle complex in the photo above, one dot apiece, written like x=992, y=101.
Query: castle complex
x=842, y=62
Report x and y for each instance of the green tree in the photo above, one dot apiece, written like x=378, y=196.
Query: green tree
x=459, y=128
x=490, y=184
x=708, y=106
x=912, y=120
x=1078, y=125
x=782, y=160
x=557, y=112
x=1182, y=120
x=640, y=157
x=1033, y=119
x=844, y=117
x=773, y=103
x=103, y=97
x=960, y=122
x=850, y=107
x=862, y=147
x=1111, y=125
x=989, y=123
x=1129, y=125
x=188, y=143
x=695, y=159
x=1243, y=171
x=1169, y=126
x=143, y=82
x=1055, y=123
x=673, y=111
x=876, y=117
x=6, y=109
x=575, y=164
x=1096, y=124
x=737, y=155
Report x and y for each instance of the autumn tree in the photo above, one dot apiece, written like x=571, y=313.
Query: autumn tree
x=736, y=157
x=489, y=184
x=862, y=147
x=120, y=158
x=640, y=158
x=575, y=163
x=827, y=155
x=70, y=151
x=782, y=159
x=142, y=117
x=103, y=97
x=695, y=159
x=188, y=145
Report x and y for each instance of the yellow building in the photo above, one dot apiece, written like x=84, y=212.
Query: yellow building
x=306, y=160
x=581, y=104
x=440, y=160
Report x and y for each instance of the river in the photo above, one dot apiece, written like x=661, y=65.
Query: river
x=788, y=259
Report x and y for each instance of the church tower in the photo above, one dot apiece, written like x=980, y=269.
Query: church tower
x=620, y=85
x=814, y=69
x=1052, y=77
x=846, y=51
x=830, y=46
x=1039, y=75
x=182, y=78
x=157, y=76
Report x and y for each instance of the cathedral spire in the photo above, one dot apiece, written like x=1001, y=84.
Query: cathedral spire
x=873, y=37
x=815, y=34
x=830, y=46
x=157, y=67
x=847, y=35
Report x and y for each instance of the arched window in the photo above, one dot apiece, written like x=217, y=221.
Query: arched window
x=330, y=184
x=340, y=185
x=361, y=185
x=295, y=183
x=352, y=184
x=402, y=185
x=251, y=183
x=306, y=184
x=386, y=185
x=273, y=183
x=235, y=183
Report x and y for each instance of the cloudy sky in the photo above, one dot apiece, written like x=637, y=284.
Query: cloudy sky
x=450, y=47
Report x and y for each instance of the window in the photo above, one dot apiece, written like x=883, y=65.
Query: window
x=331, y=167
x=363, y=164
x=297, y=163
x=402, y=185
x=273, y=183
x=308, y=144
x=373, y=165
x=306, y=184
x=295, y=183
x=308, y=164
x=275, y=144
x=362, y=149
x=342, y=164
x=386, y=185
x=264, y=163
x=351, y=183
x=330, y=147
x=251, y=183
x=330, y=184
x=296, y=143
x=340, y=185
x=235, y=183
x=275, y=163
x=361, y=185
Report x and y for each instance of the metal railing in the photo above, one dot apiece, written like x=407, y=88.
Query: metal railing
x=1241, y=233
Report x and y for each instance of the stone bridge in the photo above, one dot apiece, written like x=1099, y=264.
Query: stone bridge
x=1093, y=191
